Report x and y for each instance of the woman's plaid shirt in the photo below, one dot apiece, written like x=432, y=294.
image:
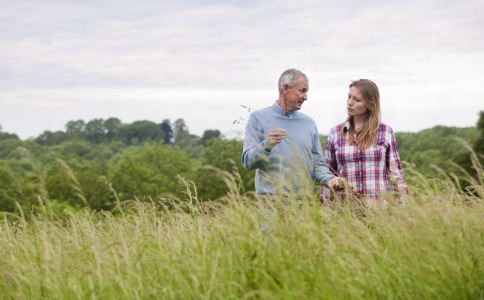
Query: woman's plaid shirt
x=369, y=172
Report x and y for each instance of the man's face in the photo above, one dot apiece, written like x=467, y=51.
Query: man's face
x=295, y=95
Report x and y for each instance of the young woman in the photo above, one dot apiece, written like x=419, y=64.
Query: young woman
x=364, y=150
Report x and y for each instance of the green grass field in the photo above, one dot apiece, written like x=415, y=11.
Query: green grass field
x=431, y=247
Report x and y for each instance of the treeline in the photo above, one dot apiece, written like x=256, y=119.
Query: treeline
x=100, y=162
x=101, y=131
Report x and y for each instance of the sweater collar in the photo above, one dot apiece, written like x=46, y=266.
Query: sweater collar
x=278, y=109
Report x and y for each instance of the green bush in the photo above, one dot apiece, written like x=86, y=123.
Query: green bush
x=150, y=170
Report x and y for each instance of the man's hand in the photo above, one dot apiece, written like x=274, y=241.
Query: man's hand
x=337, y=183
x=274, y=137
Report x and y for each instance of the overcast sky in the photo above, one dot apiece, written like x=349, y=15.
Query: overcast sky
x=203, y=60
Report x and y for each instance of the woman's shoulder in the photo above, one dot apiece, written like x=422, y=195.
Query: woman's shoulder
x=385, y=134
x=383, y=127
x=337, y=129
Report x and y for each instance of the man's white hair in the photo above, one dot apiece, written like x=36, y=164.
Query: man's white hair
x=289, y=78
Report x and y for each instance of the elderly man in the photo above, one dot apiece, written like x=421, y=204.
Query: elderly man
x=283, y=145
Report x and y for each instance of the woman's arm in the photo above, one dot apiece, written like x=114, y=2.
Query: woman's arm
x=394, y=165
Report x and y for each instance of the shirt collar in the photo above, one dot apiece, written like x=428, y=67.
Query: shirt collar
x=277, y=108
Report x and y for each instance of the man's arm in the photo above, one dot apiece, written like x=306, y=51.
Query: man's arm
x=255, y=152
x=322, y=173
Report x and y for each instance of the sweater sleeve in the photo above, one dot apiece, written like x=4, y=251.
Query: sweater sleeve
x=321, y=171
x=254, y=155
x=331, y=162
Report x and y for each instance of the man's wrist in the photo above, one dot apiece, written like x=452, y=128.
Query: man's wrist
x=327, y=181
x=266, y=146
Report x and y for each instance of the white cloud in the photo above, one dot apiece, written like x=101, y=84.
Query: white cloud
x=140, y=61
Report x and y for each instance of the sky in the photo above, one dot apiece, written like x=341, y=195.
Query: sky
x=212, y=62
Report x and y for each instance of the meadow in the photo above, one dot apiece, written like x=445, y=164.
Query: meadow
x=429, y=247
x=96, y=212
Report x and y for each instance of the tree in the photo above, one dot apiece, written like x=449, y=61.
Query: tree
x=140, y=131
x=94, y=131
x=75, y=129
x=62, y=184
x=209, y=135
x=50, y=138
x=436, y=146
x=10, y=190
x=6, y=135
x=93, y=179
x=180, y=131
x=75, y=149
x=479, y=144
x=186, y=141
x=150, y=170
x=223, y=155
x=113, y=126
x=167, y=131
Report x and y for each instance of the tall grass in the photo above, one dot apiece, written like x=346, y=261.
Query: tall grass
x=431, y=247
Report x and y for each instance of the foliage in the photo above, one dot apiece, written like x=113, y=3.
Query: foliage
x=92, y=162
x=75, y=129
x=62, y=184
x=209, y=135
x=223, y=155
x=8, y=146
x=479, y=145
x=190, y=143
x=112, y=127
x=430, y=248
x=149, y=170
x=67, y=204
x=51, y=138
x=10, y=189
x=435, y=146
x=140, y=131
x=6, y=135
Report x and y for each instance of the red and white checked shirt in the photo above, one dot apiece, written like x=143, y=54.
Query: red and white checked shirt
x=369, y=172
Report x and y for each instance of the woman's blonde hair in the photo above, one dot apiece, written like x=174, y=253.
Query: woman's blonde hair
x=367, y=136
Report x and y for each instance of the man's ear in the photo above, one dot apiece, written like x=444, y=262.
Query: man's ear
x=285, y=88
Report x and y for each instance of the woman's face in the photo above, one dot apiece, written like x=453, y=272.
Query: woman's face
x=356, y=104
